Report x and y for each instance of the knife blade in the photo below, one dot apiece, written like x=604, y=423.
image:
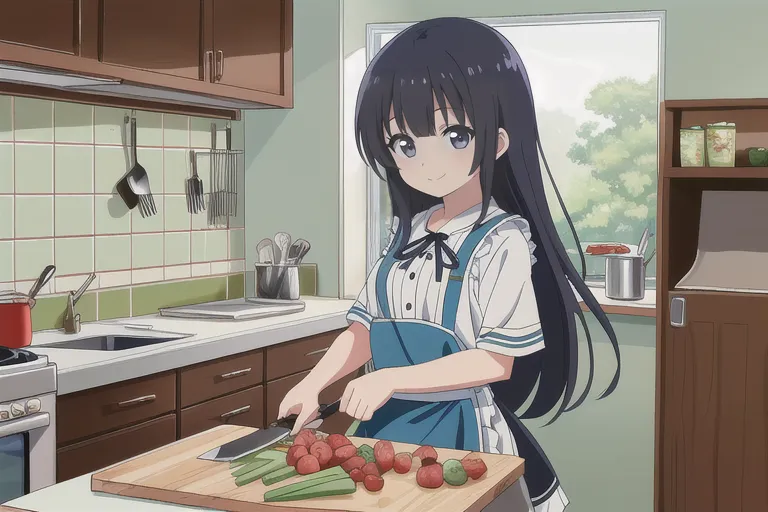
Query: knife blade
x=263, y=438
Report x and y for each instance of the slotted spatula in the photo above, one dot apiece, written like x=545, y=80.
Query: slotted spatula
x=194, y=188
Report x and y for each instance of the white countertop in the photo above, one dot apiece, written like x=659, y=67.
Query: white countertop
x=76, y=496
x=208, y=340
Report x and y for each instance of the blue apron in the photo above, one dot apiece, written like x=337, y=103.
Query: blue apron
x=449, y=423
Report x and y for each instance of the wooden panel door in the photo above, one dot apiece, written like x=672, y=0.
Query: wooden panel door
x=714, y=405
x=249, y=40
x=46, y=24
x=166, y=36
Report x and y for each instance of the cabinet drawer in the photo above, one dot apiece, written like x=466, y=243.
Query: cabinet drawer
x=94, y=411
x=99, y=452
x=220, y=377
x=336, y=424
x=245, y=408
x=296, y=356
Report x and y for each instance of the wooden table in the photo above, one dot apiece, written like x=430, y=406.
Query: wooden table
x=174, y=474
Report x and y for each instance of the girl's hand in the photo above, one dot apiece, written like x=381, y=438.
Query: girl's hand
x=364, y=395
x=303, y=402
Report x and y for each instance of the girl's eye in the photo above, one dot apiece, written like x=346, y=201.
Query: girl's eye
x=459, y=136
x=403, y=145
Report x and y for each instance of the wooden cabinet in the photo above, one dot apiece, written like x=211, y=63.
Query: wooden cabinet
x=711, y=349
x=210, y=57
x=44, y=24
x=101, y=426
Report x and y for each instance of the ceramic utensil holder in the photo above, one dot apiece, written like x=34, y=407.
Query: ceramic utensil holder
x=280, y=281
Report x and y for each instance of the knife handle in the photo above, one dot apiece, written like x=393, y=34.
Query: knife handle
x=323, y=412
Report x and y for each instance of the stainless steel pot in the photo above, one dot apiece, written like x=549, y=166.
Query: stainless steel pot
x=625, y=276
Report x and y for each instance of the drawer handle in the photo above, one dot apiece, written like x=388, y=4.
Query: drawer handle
x=316, y=352
x=241, y=410
x=138, y=400
x=236, y=373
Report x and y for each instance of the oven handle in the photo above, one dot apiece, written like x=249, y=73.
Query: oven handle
x=25, y=424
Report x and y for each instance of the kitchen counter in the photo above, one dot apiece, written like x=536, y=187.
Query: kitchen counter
x=210, y=339
x=75, y=496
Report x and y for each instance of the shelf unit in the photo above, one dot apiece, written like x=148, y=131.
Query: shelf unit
x=711, y=373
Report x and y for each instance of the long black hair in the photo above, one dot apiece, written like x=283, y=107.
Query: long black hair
x=474, y=70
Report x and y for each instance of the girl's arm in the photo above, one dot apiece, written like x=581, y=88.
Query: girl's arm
x=349, y=351
x=466, y=369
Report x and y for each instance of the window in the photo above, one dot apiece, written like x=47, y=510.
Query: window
x=596, y=81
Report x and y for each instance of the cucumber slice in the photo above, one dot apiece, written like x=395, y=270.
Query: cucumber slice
x=279, y=475
x=336, y=470
x=267, y=453
x=337, y=487
x=257, y=473
x=250, y=466
x=303, y=485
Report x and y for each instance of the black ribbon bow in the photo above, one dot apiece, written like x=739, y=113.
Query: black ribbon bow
x=418, y=247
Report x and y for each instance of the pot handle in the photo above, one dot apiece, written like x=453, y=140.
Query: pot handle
x=645, y=263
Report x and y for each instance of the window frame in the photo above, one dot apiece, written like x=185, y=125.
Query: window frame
x=375, y=31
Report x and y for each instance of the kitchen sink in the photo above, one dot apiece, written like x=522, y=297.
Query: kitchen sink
x=113, y=342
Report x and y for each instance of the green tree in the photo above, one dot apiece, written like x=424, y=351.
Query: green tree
x=617, y=199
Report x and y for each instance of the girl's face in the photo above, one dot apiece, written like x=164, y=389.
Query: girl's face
x=440, y=164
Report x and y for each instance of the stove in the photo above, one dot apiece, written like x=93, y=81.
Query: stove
x=27, y=422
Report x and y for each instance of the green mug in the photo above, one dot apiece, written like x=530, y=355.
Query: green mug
x=758, y=157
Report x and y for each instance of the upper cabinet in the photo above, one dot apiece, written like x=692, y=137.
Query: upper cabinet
x=215, y=56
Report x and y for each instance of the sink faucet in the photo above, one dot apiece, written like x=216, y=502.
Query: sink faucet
x=72, y=319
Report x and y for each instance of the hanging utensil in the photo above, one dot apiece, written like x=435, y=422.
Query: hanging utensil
x=133, y=187
x=41, y=281
x=194, y=188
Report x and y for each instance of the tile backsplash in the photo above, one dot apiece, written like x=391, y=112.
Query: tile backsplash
x=59, y=163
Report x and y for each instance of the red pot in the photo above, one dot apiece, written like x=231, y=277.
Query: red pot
x=15, y=321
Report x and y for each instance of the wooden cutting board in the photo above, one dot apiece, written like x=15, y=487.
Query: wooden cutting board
x=6, y=508
x=174, y=474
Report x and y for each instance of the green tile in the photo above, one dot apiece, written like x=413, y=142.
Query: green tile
x=6, y=168
x=109, y=125
x=114, y=304
x=177, y=217
x=148, y=299
x=6, y=118
x=308, y=279
x=73, y=169
x=6, y=217
x=74, y=215
x=72, y=122
x=236, y=286
x=112, y=216
x=200, y=220
x=236, y=244
x=34, y=119
x=177, y=250
x=112, y=253
x=110, y=165
x=48, y=312
x=198, y=246
x=34, y=168
x=147, y=250
x=204, y=169
x=175, y=130
x=34, y=216
x=151, y=224
x=149, y=128
x=151, y=159
x=176, y=164
x=216, y=245
x=31, y=258
x=74, y=255
x=6, y=261
x=200, y=133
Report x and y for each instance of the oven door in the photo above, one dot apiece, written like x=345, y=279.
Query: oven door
x=17, y=438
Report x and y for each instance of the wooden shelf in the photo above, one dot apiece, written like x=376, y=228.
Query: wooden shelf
x=716, y=172
x=719, y=104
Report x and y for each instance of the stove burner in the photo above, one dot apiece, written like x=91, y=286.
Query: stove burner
x=11, y=356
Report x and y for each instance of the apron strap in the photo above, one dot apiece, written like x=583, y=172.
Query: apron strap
x=456, y=277
x=381, y=281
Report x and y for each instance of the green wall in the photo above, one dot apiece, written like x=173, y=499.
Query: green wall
x=292, y=157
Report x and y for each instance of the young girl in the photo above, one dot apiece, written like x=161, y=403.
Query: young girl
x=472, y=304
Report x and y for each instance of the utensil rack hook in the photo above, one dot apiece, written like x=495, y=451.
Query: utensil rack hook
x=213, y=136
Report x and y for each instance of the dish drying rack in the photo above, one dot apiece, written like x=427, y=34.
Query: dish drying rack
x=220, y=201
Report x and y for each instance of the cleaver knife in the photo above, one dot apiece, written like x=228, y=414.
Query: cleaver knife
x=262, y=438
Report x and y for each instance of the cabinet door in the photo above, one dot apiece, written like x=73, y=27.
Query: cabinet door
x=81, y=458
x=245, y=408
x=713, y=407
x=165, y=36
x=46, y=24
x=249, y=39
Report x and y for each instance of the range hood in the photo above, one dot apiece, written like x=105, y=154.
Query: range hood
x=34, y=76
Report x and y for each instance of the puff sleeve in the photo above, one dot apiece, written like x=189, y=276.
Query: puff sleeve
x=510, y=316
